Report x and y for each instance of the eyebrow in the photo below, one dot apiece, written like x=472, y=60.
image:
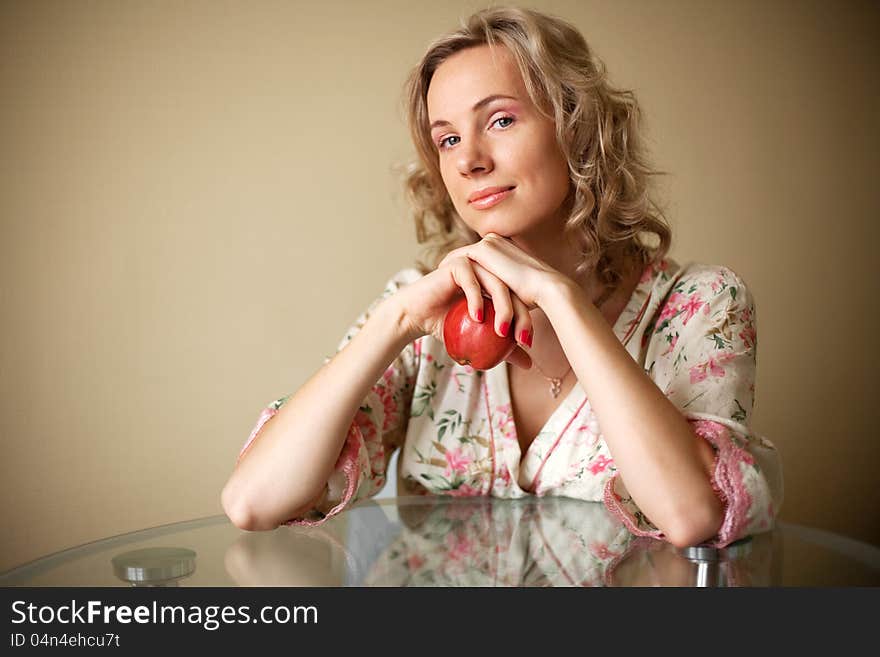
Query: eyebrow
x=478, y=105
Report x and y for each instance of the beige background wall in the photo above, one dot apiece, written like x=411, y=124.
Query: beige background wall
x=197, y=198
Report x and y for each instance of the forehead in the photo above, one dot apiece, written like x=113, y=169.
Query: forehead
x=469, y=76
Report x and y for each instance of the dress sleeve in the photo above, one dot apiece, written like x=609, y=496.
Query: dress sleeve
x=701, y=353
x=378, y=428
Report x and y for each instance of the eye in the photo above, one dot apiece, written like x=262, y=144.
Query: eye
x=445, y=139
x=443, y=145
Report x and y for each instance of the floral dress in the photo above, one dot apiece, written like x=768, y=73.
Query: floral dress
x=692, y=329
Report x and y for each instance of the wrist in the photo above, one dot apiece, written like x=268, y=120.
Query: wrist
x=558, y=289
x=394, y=318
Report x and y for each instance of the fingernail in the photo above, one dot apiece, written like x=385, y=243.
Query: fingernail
x=480, y=315
x=505, y=327
x=526, y=338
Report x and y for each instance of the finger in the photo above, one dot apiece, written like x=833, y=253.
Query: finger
x=452, y=255
x=464, y=276
x=501, y=300
x=522, y=322
x=519, y=358
x=446, y=260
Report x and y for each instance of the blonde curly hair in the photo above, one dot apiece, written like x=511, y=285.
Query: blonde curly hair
x=597, y=128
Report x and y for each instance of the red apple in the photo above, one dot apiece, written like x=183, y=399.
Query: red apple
x=473, y=343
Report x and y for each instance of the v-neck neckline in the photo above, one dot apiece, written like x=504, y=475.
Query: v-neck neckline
x=539, y=449
x=570, y=399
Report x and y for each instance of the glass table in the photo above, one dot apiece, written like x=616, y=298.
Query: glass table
x=446, y=541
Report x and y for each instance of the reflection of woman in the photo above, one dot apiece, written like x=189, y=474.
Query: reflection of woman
x=286, y=558
x=482, y=542
x=532, y=183
x=559, y=542
x=652, y=563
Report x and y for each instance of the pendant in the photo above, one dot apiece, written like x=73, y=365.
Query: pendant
x=555, y=387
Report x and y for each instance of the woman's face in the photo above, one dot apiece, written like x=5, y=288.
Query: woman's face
x=489, y=136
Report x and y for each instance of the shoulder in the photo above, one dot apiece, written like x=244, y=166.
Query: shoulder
x=714, y=276
x=716, y=285
x=696, y=298
x=698, y=283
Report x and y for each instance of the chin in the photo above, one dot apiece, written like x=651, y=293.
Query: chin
x=502, y=233
x=505, y=224
x=499, y=225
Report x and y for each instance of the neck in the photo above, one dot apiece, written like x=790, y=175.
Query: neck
x=559, y=254
x=564, y=257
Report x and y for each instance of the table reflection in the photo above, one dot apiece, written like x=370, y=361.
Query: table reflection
x=487, y=542
x=446, y=541
x=288, y=557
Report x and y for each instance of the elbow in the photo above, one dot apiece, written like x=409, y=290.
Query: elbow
x=239, y=511
x=697, y=527
x=688, y=538
x=242, y=514
x=234, y=509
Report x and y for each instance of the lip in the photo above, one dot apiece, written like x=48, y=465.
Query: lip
x=489, y=196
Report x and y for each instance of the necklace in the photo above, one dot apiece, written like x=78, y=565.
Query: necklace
x=556, y=381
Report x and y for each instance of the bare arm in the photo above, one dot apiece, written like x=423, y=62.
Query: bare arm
x=669, y=467
x=284, y=471
x=666, y=468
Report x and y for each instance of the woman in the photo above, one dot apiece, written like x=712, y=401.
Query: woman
x=628, y=368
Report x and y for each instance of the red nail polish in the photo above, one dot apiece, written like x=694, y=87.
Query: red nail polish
x=480, y=315
x=505, y=327
x=526, y=338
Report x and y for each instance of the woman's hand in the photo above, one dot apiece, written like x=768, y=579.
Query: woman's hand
x=426, y=302
x=526, y=276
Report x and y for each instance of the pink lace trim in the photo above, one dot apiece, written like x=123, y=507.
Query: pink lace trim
x=267, y=413
x=348, y=464
x=614, y=503
x=727, y=482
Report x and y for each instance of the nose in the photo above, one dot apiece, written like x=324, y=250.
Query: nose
x=473, y=158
